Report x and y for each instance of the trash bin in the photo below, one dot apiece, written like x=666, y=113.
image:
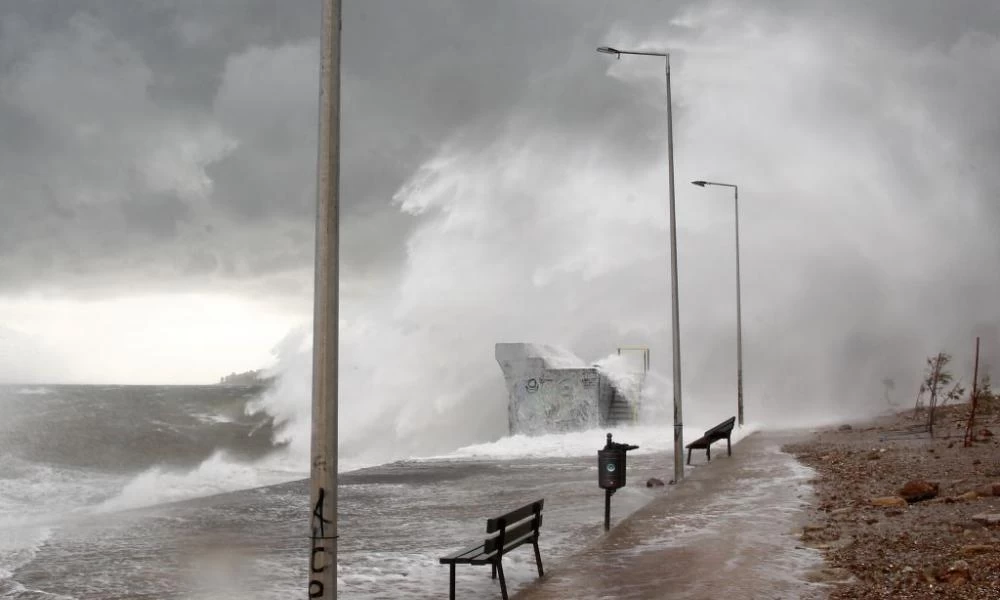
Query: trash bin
x=612, y=464
x=611, y=467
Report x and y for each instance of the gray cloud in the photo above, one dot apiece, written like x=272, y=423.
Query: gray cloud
x=172, y=145
x=130, y=133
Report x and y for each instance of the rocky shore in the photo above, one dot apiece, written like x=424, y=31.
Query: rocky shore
x=901, y=514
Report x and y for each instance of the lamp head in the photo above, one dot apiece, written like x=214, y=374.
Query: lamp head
x=609, y=50
x=700, y=183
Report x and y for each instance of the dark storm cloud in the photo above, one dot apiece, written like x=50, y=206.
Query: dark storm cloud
x=152, y=142
x=140, y=138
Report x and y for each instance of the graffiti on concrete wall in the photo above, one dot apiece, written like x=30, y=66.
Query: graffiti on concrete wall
x=550, y=390
x=560, y=402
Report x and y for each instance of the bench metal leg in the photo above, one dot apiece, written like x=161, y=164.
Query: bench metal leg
x=689, y=455
x=503, y=582
x=494, y=569
x=708, y=452
x=729, y=447
x=451, y=583
x=538, y=559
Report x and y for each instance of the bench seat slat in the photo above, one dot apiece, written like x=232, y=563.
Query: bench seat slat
x=525, y=539
x=483, y=559
x=462, y=556
x=720, y=432
x=705, y=441
x=517, y=528
x=487, y=558
x=478, y=556
x=513, y=533
x=514, y=516
x=724, y=428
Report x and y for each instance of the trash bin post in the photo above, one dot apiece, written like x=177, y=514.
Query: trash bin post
x=611, y=469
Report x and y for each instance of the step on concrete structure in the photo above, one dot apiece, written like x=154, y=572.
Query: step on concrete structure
x=551, y=390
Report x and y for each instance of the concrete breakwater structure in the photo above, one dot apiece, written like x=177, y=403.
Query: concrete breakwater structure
x=551, y=390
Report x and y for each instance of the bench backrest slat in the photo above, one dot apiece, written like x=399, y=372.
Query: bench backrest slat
x=495, y=524
x=724, y=427
x=512, y=534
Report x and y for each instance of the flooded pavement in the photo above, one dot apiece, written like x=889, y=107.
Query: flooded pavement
x=727, y=532
x=395, y=521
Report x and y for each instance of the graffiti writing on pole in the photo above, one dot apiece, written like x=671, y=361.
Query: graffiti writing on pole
x=319, y=523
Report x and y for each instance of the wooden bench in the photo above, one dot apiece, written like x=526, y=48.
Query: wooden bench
x=504, y=533
x=722, y=431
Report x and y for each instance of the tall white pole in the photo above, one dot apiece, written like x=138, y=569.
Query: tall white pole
x=674, y=296
x=676, y=326
x=739, y=314
x=326, y=317
x=739, y=308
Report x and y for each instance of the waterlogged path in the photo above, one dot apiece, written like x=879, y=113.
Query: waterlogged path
x=727, y=532
x=394, y=522
x=726, y=528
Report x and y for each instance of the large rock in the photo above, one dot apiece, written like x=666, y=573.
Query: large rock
x=917, y=490
x=971, y=495
x=888, y=501
x=989, y=489
x=988, y=519
x=958, y=573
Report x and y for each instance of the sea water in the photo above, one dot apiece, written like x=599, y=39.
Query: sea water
x=183, y=492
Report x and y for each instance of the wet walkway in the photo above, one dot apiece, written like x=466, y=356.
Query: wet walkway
x=728, y=532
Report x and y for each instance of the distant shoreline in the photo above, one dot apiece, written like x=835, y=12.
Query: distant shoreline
x=246, y=378
x=38, y=388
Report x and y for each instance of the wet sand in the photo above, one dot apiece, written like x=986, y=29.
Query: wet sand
x=727, y=532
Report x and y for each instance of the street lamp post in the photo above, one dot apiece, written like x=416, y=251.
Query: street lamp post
x=678, y=422
x=323, y=470
x=739, y=316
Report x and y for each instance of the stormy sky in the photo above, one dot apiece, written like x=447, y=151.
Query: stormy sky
x=500, y=180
